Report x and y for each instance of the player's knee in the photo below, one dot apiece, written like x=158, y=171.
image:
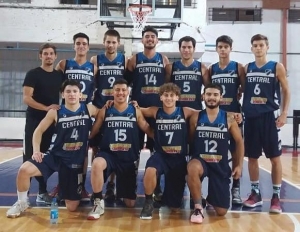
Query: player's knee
x=99, y=164
x=26, y=169
x=129, y=203
x=220, y=211
x=72, y=205
x=275, y=161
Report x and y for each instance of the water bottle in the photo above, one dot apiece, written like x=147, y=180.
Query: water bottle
x=54, y=212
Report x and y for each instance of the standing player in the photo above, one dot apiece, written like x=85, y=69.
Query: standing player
x=110, y=67
x=66, y=153
x=119, y=150
x=83, y=71
x=41, y=94
x=210, y=130
x=265, y=80
x=228, y=74
x=189, y=74
x=146, y=72
x=170, y=144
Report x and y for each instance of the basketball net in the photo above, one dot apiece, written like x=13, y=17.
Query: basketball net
x=139, y=15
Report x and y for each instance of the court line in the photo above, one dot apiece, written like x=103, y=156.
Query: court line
x=4, y=161
x=295, y=221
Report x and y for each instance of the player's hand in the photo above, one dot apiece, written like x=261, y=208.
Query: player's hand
x=281, y=120
x=108, y=104
x=238, y=117
x=236, y=172
x=135, y=104
x=38, y=156
x=53, y=107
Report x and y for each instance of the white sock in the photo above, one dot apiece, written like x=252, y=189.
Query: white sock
x=22, y=196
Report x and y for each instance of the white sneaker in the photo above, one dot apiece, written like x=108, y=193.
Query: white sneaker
x=97, y=210
x=16, y=209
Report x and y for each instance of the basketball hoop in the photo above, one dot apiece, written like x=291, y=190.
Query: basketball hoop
x=139, y=15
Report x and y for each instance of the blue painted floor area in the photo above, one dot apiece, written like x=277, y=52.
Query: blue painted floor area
x=289, y=194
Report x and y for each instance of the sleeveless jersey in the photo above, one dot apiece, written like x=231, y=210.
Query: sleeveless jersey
x=228, y=78
x=262, y=90
x=170, y=134
x=149, y=75
x=190, y=81
x=70, y=140
x=84, y=74
x=121, y=134
x=108, y=72
x=211, y=142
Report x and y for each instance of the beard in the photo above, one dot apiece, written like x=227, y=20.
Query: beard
x=149, y=47
x=212, y=106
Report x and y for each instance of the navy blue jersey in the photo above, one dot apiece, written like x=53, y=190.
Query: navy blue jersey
x=108, y=72
x=84, y=74
x=149, y=75
x=228, y=78
x=70, y=140
x=121, y=134
x=262, y=90
x=170, y=134
x=190, y=81
x=211, y=141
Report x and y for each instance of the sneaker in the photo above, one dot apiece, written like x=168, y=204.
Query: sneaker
x=197, y=216
x=157, y=193
x=275, y=204
x=44, y=198
x=97, y=210
x=16, y=209
x=147, y=210
x=85, y=196
x=236, y=198
x=110, y=191
x=253, y=200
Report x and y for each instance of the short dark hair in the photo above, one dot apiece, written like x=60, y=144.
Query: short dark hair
x=120, y=81
x=213, y=86
x=149, y=29
x=112, y=32
x=81, y=35
x=169, y=87
x=259, y=37
x=45, y=46
x=70, y=82
x=224, y=39
x=187, y=39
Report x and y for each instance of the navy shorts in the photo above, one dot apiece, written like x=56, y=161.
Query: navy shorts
x=69, y=179
x=126, y=173
x=174, y=167
x=261, y=134
x=218, y=185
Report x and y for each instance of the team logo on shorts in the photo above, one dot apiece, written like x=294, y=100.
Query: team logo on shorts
x=79, y=189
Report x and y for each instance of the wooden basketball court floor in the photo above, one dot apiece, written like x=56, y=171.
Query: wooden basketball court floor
x=119, y=219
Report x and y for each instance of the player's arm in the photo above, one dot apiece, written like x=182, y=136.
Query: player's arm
x=50, y=118
x=205, y=75
x=286, y=95
x=61, y=66
x=93, y=110
x=209, y=71
x=192, y=126
x=166, y=61
x=188, y=112
x=242, y=79
x=238, y=156
x=143, y=124
x=128, y=75
x=93, y=60
x=98, y=123
x=168, y=69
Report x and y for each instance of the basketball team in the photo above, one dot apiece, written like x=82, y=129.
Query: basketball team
x=191, y=115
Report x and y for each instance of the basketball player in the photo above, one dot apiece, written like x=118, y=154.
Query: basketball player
x=110, y=67
x=119, y=150
x=189, y=74
x=146, y=72
x=210, y=130
x=80, y=69
x=170, y=145
x=41, y=94
x=228, y=74
x=66, y=153
x=264, y=83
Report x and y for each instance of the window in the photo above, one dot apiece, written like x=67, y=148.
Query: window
x=77, y=2
x=234, y=15
x=294, y=16
x=15, y=1
x=190, y=3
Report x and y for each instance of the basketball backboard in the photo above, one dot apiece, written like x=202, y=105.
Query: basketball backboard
x=166, y=15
